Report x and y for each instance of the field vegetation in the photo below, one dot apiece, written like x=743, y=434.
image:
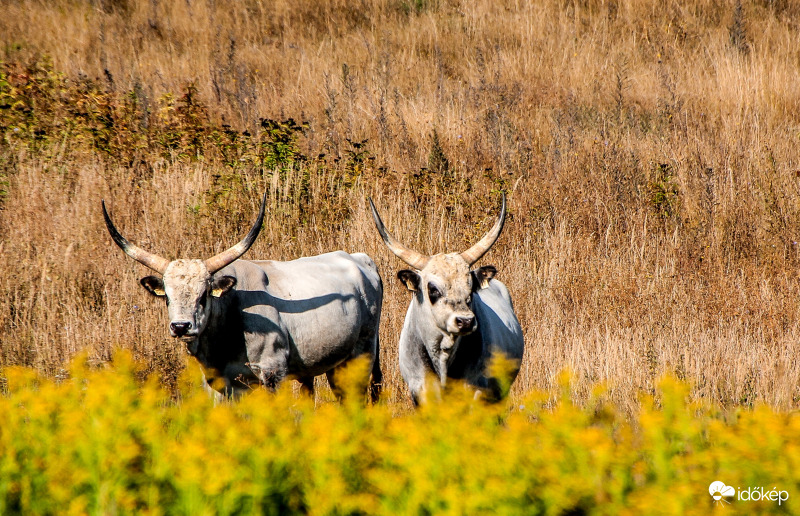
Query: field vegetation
x=103, y=442
x=648, y=150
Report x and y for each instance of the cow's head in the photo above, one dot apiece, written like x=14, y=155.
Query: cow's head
x=444, y=282
x=187, y=285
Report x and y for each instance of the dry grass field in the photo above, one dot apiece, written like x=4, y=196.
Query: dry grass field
x=648, y=150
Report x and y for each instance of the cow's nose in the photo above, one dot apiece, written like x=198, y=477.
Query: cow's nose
x=179, y=329
x=464, y=323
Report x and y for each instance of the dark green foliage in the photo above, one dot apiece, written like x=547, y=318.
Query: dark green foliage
x=663, y=191
x=437, y=160
x=278, y=147
x=355, y=159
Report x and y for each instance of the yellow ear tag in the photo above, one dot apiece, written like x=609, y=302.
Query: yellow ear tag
x=216, y=292
x=484, y=283
x=410, y=286
x=159, y=292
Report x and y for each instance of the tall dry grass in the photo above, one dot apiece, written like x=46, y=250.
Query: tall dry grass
x=648, y=150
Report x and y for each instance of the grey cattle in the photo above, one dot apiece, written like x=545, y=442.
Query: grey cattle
x=259, y=322
x=458, y=318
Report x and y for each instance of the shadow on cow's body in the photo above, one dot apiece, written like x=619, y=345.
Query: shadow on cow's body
x=424, y=348
x=499, y=332
x=294, y=319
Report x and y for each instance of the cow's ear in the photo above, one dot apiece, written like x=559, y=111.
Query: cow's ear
x=154, y=285
x=410, y=279
x=222, y=285
x=482, y=276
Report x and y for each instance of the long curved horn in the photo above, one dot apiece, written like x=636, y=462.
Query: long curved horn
x=474, y=253
x=411, y=257
x=147, y=259
x=224, y=258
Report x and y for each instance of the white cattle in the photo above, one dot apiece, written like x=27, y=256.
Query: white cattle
x=259, y=322
x=457, y=319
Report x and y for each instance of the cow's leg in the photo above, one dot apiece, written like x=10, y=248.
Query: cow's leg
x=337, y=391
x=416, y=386
x=370, y=385
x=413, y=369
x=216, y=396
x=307, y=385
x=376, y=379
x=368, y=347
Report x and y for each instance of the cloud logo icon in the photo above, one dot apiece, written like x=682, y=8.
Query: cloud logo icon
x=718, y=489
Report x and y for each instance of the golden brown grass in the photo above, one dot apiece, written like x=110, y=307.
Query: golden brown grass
x=648, y=150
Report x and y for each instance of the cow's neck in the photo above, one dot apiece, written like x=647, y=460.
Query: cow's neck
x=440, y=346
x=217, y=344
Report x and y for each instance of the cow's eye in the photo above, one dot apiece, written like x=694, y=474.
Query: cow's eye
x=203, y=301
x=434, y=294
